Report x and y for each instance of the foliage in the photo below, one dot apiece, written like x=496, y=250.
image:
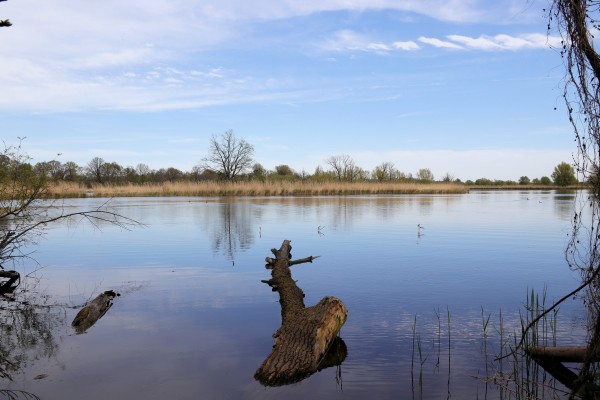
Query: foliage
x=524, y=180
x=425, y=175
x=564, y=175
x=229, y=155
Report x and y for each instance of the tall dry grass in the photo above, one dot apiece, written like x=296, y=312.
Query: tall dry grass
x=207, y=189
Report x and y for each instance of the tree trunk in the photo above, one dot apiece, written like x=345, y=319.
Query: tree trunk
x=306, y=333
x=91, y=313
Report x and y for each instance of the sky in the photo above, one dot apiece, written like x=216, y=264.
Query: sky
x=470, y=88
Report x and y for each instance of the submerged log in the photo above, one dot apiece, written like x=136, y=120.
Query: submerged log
x=93, y=311
x=8, y=286
x=306, y=333
x=552, y=359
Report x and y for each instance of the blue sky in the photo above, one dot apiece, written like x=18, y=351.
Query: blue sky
x=466, y=87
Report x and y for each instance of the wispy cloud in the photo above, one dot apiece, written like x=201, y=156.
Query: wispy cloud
x=439, y=43
x=507, y=42
x=347, y=40
x=117, y=54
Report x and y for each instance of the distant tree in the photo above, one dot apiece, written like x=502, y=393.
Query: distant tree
x=229, y=155
x=544, y=180
x=524, y=180
x=143, y=171
x=564, y=174
x=384, y=171
x=72, y=171
x=484, y=182
x=447, y=178
x=425, y=175
x=338, y=164
x=284, y=170
x=95, y=169
x=321, y=175
x=111, y=172
x=259, y=172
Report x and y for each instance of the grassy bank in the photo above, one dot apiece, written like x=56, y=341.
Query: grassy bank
x=206, y=189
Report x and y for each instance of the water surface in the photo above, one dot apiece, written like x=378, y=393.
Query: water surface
x=194, y=320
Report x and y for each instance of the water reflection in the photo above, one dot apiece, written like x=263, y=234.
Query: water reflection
x=232, y=226
x=27, y=335
x=201, y=330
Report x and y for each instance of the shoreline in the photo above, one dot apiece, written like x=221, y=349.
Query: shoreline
x=227, y=189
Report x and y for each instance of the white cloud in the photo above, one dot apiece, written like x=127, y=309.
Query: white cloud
x=506, y=42
x=405, y=45
x=439, y=43
x=348, y=40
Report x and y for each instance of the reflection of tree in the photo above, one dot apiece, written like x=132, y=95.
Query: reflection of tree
x=27, y=328
x=234, y=229
x=563, y=204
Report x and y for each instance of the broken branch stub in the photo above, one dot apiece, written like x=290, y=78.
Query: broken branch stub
x=306, y=333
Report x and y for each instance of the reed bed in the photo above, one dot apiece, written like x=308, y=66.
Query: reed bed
x=212, y=189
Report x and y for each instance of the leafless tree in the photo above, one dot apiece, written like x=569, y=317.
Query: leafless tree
x=384, y=171
x=575, y=21
x=95, y=169
x=229, y=155
x=343, y=167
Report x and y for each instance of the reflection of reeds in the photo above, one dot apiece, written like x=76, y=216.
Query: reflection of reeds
x=251, y=189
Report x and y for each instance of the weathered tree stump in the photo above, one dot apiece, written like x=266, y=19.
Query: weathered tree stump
x=8, y=286
x=92, y=312
x=306, y=333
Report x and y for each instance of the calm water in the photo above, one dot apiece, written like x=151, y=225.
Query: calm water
x=194, y=320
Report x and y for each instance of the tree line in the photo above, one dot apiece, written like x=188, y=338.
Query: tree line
x=230, y=158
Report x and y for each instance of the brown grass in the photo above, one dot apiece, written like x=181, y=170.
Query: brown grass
x=208, y=189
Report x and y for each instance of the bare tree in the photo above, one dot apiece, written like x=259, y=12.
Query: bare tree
x=384, y=171
x=425, y=175
x=343, y=167
x=575, y=21
x=229, y=155
x=95, y=169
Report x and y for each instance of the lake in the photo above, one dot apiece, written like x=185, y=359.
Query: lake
x=195, y=321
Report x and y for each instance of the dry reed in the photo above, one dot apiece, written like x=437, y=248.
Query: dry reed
x=209, y=189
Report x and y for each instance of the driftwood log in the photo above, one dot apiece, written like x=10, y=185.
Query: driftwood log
x=9, y=285
x=551, y=358
x=93, y=311
x=306, y=335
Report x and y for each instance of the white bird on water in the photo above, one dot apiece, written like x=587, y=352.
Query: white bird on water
x=419, y=229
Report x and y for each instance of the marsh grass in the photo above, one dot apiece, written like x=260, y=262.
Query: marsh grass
x=217, y=189
x=504, y=364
